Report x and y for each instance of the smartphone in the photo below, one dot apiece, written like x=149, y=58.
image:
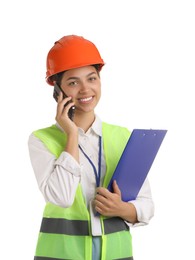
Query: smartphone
x=56, y=93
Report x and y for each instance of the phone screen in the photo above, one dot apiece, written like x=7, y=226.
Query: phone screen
x=56, y=93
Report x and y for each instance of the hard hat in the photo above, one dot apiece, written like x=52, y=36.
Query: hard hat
x=71, y=52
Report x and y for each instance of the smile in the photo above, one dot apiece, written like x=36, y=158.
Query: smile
x=85, y=99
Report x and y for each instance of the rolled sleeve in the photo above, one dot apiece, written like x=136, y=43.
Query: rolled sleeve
x=144, y=205
x=69, y=164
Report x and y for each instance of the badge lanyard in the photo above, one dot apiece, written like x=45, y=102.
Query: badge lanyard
x=97, y=174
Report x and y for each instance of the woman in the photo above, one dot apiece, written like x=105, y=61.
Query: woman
x=74, y=160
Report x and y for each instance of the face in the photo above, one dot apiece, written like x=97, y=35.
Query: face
x=84, y=86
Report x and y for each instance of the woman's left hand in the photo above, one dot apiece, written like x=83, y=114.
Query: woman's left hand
x=108, y=203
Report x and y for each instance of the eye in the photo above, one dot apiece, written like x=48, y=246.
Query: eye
x=72, y=83
x=92, y=78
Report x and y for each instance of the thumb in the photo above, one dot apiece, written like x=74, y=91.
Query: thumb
x=116, y=188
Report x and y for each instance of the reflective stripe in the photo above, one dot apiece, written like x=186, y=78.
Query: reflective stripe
x=126, y=258
x=50, y=258
x=112, y=225
x=64, y=226
x=79, y=227
x=46, y=258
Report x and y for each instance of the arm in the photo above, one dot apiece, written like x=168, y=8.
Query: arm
x=137, y=212
x=57, y=179
x=144, y=204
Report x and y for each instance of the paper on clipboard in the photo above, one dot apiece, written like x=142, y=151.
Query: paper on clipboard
x=136, y=161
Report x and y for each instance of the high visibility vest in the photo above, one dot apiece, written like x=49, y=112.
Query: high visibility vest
x=65, y=233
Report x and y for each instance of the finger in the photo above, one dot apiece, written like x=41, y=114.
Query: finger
x=64, y=101
x=60, y=97
x=100, y=198
x=103, y=191
x=99, y=209
x=61, y=103
x=116, y=188
x=67, y=108
x=99, y=206
x=103, y=208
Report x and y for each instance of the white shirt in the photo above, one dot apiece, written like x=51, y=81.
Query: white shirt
x=58, y=178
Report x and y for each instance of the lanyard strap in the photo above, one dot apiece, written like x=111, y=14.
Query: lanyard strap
x=97, y=174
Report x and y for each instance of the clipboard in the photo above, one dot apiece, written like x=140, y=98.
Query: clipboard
x=136, y=161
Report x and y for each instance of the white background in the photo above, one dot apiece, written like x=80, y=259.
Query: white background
x=147, y=82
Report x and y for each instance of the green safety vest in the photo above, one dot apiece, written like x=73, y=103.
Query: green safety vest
x=66, y=232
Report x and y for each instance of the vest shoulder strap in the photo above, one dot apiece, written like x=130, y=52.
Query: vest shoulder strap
x=53, y=138
x=114, y=141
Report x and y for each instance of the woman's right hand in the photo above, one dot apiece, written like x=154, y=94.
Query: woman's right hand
x=68, y=125
x=62, y=115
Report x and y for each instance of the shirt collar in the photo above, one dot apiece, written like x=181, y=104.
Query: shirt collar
x=96, y=127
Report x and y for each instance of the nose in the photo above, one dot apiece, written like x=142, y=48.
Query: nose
x=84, y=87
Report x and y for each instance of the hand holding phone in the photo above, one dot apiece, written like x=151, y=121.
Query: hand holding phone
x=56, y=94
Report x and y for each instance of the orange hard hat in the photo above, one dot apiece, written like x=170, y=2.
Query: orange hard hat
x=71, y=52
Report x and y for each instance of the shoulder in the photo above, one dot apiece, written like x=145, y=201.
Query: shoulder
x=53, y=138
x=50, y=131
x=50, y=128
x=115, y=129
x=51, y=134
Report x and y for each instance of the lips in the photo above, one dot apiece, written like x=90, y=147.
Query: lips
x=85, y=100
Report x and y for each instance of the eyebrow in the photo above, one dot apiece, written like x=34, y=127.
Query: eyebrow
x=73, y=78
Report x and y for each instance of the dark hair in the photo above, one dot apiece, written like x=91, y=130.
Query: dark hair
x=58, y=77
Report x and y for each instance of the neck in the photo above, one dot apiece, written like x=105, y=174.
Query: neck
x=84, y=121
